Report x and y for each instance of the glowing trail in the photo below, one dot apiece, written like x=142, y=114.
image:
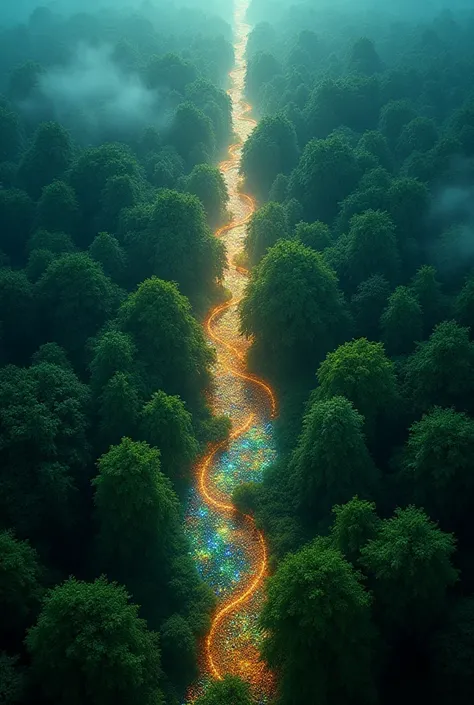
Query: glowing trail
x=229, y=550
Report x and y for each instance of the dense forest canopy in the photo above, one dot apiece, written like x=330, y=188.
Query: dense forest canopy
x=112, y=120
x=360, y=312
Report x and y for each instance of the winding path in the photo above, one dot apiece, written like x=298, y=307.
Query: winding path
x=229, y=550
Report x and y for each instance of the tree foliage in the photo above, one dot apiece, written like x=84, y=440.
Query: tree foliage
x=402, y=322
x=207, y=183
x=272, y=149
x=172, y=351
x=228, y=690
x=327, y=172
x=436, y=464
x=361, y=372
x=331, y=461
x=79, y=623
x=292, y=291
x=316, y=604
x=355, y=524
x=75, y=298
x=441, y=370
x=409, y=544
x=267, y=225
x=167, y=425
x=20, y=587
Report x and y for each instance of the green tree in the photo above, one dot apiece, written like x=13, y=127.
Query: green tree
x=8, y=172
x=271, y=149
x=368, y=197
x=410, y=564
x=12, y=681
x=355, y=523
x=316, y=607
x=326, y=174
x=216, y=104
x=90, y=646
x=436, y=465
x=16, y=220
x=351, y=102
x=49, y=156
x=170, y=343
x=455, y=271
x=420, y=135
x=137, y=514
x=166, y=424
x=226, y=691
x=169, y=71
x=331, y=461
x=112, y=352
x=106, y=250
x=55, y=242
x=361, y=372
x=90, y=174
x=76, y=298
x=402, y=322
x=140, y=539
x=441, y=370
x=164, y=168
x=176, y=244
x=17, y=312
x=267, y=225
x=375, y=143
x=23, y=80
x=260, y=70
x=118, y=408
x=368, y=304
x=10, y=135
x=131, y=490
x=364, y=57
x=279, y=189
x=52, y=354
x=315, y=235
x=293, y=307
x=464, y=304
x=179, y=652
x=43, y=421
x=408, y=202
x=58, y=210
x=393, y=118
x=372, y=247
x=20, y=588
x=120, y=191
x=207, y=183
x=38, y=263
x=428, y=291
x=191, y=128
x=294, y=212
x=150, y=141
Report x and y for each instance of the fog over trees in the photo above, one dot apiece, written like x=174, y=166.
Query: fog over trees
x=359, y=309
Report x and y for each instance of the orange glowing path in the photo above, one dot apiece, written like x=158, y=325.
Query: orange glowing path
x=231, y=646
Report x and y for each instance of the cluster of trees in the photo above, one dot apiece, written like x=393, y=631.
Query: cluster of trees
x=107, y=260
x=360, y=309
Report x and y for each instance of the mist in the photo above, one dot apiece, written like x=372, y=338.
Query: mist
x=21, y=11
x=452, y=215
x=93, y=96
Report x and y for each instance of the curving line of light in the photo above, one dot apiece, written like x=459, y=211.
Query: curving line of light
x=232, y=604
x=205, y=485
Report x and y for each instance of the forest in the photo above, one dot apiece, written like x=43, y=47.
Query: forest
x=359, y=312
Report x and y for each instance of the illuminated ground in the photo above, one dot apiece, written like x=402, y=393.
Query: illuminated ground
x=228, y=549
